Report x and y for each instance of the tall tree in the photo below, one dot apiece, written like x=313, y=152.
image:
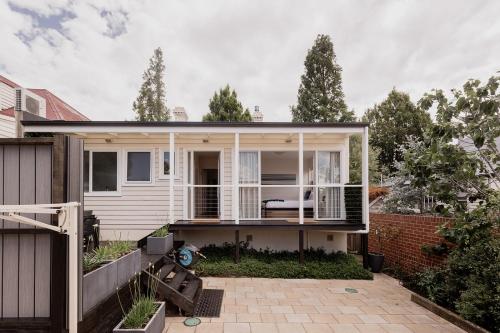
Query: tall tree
x=392, y=123
x=224, y=106
x=150, y=105
x=320, y=97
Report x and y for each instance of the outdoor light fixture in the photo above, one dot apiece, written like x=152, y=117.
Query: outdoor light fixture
x=288, y=140
x=205, y=140
x=108, y=140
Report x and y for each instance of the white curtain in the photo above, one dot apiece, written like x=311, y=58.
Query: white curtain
x=329, y=198
x=249, y=175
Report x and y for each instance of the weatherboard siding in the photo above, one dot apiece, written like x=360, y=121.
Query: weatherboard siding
x=7, y=127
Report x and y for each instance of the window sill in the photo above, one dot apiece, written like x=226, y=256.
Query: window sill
x=102, y=194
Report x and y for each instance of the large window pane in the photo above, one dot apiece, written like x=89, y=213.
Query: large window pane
x=328, y=167
x=249, y=202
x=329, y=202
x=86, y=170
x=139, y=166
x=104, y=171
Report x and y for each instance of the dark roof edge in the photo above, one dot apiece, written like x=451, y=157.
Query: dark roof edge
x=187, y=124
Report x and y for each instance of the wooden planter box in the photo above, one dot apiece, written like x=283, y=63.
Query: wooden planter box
x=155, y=325
x=101, y=283
x=160, y=245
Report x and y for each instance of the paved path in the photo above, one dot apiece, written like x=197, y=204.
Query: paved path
x=314, y=306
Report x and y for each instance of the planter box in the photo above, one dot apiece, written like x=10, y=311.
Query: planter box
x=160, y=245
x=155, y=325
x=101, y=283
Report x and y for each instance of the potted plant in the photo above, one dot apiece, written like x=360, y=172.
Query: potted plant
x=146, y=315
x=107, y=268
x=376, y=259
x=160, y=241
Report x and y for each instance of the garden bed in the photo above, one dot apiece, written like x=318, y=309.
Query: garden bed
x=268, y=264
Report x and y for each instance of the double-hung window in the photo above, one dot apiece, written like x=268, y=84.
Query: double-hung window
x=100, y=172
x=138, y=167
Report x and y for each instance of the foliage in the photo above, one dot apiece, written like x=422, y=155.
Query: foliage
x=270, y=264
x=111, y=251
x=143, y=305
x=150, y=105
x=320, y=97
x=375, y=170
x=225, y=106
x=392, y=122
x=162, y=232
x=461, y=159
x=383, y=233
x=435, y=249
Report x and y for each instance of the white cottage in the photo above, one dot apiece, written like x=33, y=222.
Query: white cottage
x=268, y=183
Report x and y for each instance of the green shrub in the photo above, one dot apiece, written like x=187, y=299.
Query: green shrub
x=111, y=251
x=162, y=232
x=282, y=264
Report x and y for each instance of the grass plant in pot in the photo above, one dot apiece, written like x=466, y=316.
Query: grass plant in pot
x=160, y=241
x=146, y=315
x=376, y=259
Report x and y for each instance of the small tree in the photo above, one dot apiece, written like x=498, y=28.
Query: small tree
x=320, y=97
x=392, y=122
x=461, y=158
x=224, y=106
x=150, y=105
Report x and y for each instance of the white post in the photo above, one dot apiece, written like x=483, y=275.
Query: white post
x=365, y=179
x=236, y=179
x=301, y=178
x=171, y=177
x=73, y=265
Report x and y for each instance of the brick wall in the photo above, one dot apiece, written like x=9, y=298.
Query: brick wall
x=408, y=234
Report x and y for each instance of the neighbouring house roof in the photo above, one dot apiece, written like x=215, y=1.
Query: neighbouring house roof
x=57, y=109
x=8, y=82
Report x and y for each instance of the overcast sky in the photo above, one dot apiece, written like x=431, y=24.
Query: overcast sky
x=92, y=53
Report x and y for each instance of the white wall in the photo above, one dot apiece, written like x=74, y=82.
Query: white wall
x=7, y=127
x=137, y=210
x=272, y=239
x=7, y=96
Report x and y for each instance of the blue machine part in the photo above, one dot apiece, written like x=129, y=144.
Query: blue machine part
x=185, y=257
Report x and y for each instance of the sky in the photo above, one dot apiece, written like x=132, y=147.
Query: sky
x=92, y=53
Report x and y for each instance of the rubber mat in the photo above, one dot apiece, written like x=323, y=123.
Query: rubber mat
x=209, y=303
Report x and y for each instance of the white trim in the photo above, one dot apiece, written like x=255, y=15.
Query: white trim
x=236, y=179
x=116, y=193
x=172, y=179
x=127, y=182
x=365, y=180
x=189, y=129
x=161, y=175
x=301, y=178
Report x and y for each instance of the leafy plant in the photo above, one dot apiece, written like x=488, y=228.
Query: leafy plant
x=143, y=305
x=279, y=264
x=111, y=251
x=385, y=232
x=162, y=232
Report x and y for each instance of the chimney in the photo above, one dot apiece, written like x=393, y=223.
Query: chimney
x=257, y=116
x=179, y=114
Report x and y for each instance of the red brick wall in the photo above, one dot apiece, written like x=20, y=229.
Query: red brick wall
x=409, y=234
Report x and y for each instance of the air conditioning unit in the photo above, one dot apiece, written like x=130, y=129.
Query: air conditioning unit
x=28, y=101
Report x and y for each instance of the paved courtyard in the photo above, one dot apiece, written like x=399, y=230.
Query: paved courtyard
x=314, y=306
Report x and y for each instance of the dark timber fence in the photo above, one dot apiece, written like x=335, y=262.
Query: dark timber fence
x=33, y=260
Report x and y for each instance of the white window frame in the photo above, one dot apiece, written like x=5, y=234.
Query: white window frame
x=151, y=152
x=342, y=174
x=176, y=174
x=258, y=185
x=92, y=193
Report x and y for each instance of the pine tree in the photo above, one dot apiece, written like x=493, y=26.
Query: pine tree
x=224, y=106
x=320, y=96
x=150, y=105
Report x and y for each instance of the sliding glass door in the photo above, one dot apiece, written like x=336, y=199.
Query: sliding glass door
x=249, y=180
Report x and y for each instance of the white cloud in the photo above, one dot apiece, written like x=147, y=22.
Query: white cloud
x=95, y=61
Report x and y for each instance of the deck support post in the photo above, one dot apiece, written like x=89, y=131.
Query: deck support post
x=237, y=246
x=301, y=247
x=171, y=178
x=364, y=249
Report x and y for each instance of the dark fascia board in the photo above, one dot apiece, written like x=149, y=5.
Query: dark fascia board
x=188, y=124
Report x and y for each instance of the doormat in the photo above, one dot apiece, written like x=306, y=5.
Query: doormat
x=210, y=303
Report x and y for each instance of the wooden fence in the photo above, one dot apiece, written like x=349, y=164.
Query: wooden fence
x=33, y=260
